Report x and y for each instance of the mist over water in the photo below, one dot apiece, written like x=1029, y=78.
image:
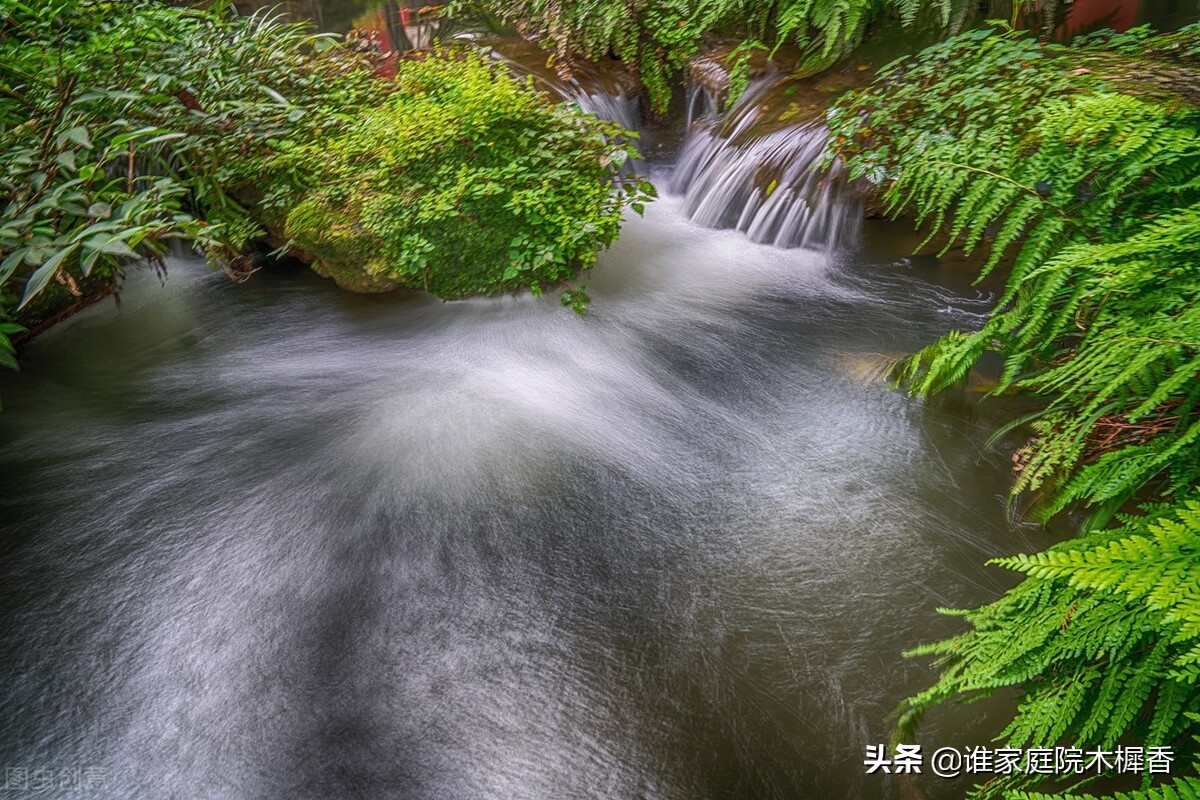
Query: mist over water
x=277, y=541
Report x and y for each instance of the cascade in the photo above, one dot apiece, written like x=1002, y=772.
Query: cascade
x=769, y=184
x=618, y=107
x=603, y=89
x=614, y=107
x=702, y=106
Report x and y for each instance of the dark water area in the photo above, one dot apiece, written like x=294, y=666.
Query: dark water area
x=276, y=541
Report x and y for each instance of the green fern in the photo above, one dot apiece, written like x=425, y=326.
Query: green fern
x=1084, y=185
x=1103, y=636
x=1091, y=194
x=659, y=37
x=1182, y=789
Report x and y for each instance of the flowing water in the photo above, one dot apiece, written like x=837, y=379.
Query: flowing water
x=272, y=540
x=770, y=185
x=277, y=541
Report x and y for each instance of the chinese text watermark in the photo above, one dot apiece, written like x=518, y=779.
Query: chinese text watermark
x=46, y=779
x=950, y=762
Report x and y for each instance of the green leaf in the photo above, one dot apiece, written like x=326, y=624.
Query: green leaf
x=122, y=139
x=164, y=137
x=43, y=274
x=112, y=245
x=11, y=263
x=78, y=135
x=276, y=96
x=88, y=262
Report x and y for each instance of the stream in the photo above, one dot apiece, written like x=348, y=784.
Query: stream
x=274, y=540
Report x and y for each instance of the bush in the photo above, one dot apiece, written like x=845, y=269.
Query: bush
x=126, y=125
x=463, y=181
x=121, y=125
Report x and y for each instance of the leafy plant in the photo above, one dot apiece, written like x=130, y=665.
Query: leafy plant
x=576, y=299
x=1091, y=186
x=659, y=37
x=463, y=181
x=1076, y=167
x=114, y=122
x=1103, y=637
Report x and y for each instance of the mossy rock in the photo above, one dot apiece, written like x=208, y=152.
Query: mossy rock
x=464, y=182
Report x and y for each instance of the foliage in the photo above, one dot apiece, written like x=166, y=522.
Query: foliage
x=114, y=121
x=661, y=36
x=1093, y=192
x=576, y=299
x=1103, y=636
x=126, y=125
x=1077, y=167
x=463, y=181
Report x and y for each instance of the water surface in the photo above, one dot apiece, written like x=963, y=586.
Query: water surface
x=276, y=541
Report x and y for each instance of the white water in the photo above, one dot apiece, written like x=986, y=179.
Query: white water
x=276, y=541
x=770, y=186
x=702, y=107
x=583, y=90
x=619, y=108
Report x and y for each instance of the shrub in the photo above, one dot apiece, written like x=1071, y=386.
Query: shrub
x=463, y=181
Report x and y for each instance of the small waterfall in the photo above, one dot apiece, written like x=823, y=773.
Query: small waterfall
x=619, y=108
x=708, y=86
x=768, y=184
x=702, y=106
x=602, y=89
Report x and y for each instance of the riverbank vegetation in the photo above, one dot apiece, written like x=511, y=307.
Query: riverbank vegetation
x=126, y=126
x=1080, y=165
x=462, y=181
x=659, y=38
